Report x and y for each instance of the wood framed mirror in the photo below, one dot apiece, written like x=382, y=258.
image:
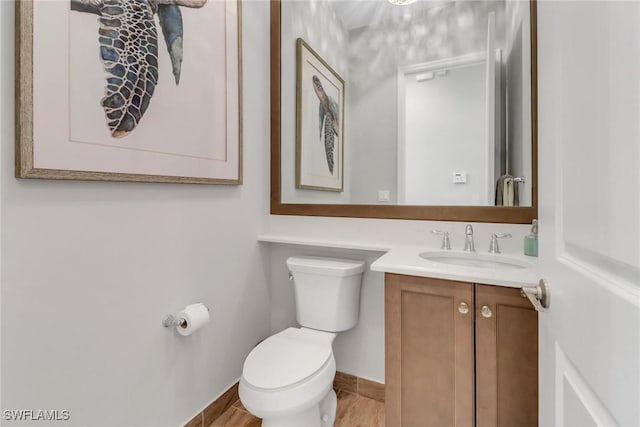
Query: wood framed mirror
x=285, y=78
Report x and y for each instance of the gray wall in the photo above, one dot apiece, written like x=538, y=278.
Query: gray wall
x=372, y=143
x=90, y=269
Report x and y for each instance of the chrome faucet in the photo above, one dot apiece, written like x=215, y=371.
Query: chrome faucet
x=468, y=239
x=494, y=248
x=446, y=243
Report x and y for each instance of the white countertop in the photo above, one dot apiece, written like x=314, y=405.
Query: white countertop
x=406, y=260
x=357, y=244
x=403, y=258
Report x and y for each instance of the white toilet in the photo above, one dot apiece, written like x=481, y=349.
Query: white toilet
x=287, y=380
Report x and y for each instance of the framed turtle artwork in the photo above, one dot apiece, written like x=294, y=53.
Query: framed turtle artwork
x=319, y=123
x=129, y=90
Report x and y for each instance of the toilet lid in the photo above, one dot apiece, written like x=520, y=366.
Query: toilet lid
x=285, y=359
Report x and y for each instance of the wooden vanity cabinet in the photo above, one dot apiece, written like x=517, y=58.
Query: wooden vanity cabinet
x=451, y=363
x=506, y=358
x=429, y=362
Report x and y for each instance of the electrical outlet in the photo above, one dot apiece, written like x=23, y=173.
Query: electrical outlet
x=384, y=195
x=459, y=177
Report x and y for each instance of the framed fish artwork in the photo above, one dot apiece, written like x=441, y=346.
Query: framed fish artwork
x=129, y=90
x=319, y=123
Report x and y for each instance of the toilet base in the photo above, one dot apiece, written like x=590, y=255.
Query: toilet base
x=321, y=415
x=328, y=407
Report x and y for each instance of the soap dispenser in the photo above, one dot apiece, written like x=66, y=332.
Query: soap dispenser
x=531, y=240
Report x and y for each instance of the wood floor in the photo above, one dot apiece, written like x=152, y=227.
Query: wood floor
x=353, y=411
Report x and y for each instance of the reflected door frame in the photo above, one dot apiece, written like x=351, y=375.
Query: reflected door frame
x=423, y=67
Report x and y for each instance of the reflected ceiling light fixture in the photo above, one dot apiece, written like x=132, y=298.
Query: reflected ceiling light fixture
x=401, y=2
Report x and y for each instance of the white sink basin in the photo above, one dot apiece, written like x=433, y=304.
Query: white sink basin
x=475, y=260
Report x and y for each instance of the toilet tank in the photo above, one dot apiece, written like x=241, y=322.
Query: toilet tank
x=327, y=292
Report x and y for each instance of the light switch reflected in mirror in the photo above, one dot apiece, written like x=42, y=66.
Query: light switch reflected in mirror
x=436, y=105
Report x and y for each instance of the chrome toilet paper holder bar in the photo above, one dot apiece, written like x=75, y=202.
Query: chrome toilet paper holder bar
x=170, y=320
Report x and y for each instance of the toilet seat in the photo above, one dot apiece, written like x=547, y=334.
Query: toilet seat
x=287, y=359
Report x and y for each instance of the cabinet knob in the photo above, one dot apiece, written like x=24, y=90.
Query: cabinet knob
x=463, y=308
x=486, y=311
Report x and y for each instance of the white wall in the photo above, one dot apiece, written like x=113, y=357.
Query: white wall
x=90, y=269
x=317, y=23
x=360, y=351
x=445, y=122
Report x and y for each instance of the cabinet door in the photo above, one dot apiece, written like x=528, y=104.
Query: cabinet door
x=507, y=358
x=429, y=352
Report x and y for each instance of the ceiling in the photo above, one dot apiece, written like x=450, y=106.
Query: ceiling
x=361, y=13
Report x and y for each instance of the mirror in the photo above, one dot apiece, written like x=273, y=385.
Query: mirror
x=421, y=110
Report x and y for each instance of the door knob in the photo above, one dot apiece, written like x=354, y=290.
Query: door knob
x=463, y=308
x=539, y=295
x=486, y=311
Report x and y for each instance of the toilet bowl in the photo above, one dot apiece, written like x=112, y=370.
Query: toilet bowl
x=287, y=380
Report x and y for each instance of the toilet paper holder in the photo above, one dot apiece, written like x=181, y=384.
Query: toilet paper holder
x=170, y=320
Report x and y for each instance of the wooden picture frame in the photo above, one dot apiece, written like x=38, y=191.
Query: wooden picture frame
x=320, y=94
x=216, y=159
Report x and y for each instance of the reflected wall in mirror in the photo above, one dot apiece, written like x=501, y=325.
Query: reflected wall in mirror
x=438, y=102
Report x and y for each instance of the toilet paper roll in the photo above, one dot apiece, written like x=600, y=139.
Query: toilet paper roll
x=195, y=316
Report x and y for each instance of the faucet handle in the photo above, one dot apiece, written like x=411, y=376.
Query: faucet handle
x=494, y=248
x=446, y=243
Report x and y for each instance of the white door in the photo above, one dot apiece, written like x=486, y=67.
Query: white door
x=589, y=162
